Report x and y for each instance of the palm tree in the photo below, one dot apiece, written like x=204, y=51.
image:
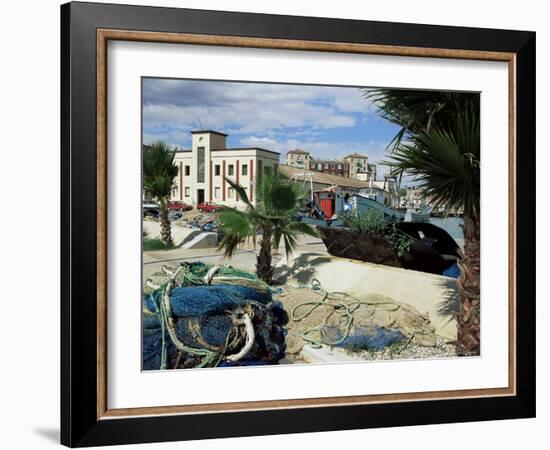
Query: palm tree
x=159, y=172
x=417, y=111
x=439, y=145
x=278, y=201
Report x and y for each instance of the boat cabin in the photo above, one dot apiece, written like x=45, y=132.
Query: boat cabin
x=330, y=201
x=374, y=193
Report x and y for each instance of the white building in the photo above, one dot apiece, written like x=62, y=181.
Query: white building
x=202, y=169
x=358, y=166
x=298, y=158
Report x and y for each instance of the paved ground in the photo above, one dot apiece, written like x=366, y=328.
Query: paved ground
x=244, y=259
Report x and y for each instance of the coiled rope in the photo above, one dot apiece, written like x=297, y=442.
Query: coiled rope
x=337, y=302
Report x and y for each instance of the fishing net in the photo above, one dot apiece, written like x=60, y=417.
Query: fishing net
x=337, y=319
x=198, y=315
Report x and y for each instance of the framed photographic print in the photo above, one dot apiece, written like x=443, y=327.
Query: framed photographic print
x=277, y=224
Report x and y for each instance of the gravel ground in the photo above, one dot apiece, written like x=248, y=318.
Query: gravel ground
x=442, y=349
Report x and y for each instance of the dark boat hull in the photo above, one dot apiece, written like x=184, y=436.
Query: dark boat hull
x=350, y=244
x=432, y=249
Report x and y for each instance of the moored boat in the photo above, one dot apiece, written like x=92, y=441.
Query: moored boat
x=431, y=248
x=362, y=204
x=422, y=214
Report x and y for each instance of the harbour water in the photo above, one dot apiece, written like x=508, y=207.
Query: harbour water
x=452, y=225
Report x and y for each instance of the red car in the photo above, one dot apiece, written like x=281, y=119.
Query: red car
x=208, y=207
x=179, y=206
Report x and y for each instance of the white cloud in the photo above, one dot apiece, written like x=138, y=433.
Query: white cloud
x=249, y=107
x=265, y=142
x=321, y=149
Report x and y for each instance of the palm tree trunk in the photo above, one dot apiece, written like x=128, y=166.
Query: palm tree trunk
x=165, y=231
x=264, y=270
x=468, y=317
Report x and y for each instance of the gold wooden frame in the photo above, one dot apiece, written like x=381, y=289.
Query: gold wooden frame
x=103, y=36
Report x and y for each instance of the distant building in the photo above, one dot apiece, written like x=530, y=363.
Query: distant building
x=354, y=165
x=298, y=158
x=415, y=197
x=358, y=165
x=203, y=168
x=331, y=167
x=372, y=171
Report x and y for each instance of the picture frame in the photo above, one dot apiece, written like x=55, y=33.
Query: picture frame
x=86, y=418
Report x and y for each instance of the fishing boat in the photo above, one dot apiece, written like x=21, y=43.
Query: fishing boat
x=421, y=214
x=363, y=203
x=431, y=248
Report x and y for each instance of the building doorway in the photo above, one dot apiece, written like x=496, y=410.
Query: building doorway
x=200, y=196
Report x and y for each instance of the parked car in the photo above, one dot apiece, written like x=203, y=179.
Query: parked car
x=150, y=205
x=154, y=213
x=150, y=209
x=179, y=206
x=209, y=226
x=174, y=215
x=208, y=207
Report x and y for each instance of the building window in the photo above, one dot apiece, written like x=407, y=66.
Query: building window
x=244, y=169
x=187, y=194
x=217, y=192
x=217, y=170
x=339, y=166
x=326, y=165
x=319, y=166
x=231, y=192
x=200, y=164
x=230, y=170
x=187, y=171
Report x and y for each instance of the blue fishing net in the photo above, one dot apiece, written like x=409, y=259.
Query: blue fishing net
x=204, y=319
x=368, y=338
x=198, y=301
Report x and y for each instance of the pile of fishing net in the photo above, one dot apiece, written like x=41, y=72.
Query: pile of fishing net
x=337, y=319
x=197, y=315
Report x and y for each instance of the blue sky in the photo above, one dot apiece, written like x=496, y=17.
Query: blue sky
x=330, y=122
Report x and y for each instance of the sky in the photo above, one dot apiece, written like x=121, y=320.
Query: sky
x=329, y=122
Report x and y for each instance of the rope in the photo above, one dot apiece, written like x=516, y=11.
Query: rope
x=338, y=302
x=249, y=340
x=184, y=276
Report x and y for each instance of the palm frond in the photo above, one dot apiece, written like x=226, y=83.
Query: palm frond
x=288, y=231
x=236, y=226
x=233, y=221
x=230, y=244
x=303, y=228
x=159, y=170
x=278, y=195
x=241, y=192
x=419, y=111
x=445, y=162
